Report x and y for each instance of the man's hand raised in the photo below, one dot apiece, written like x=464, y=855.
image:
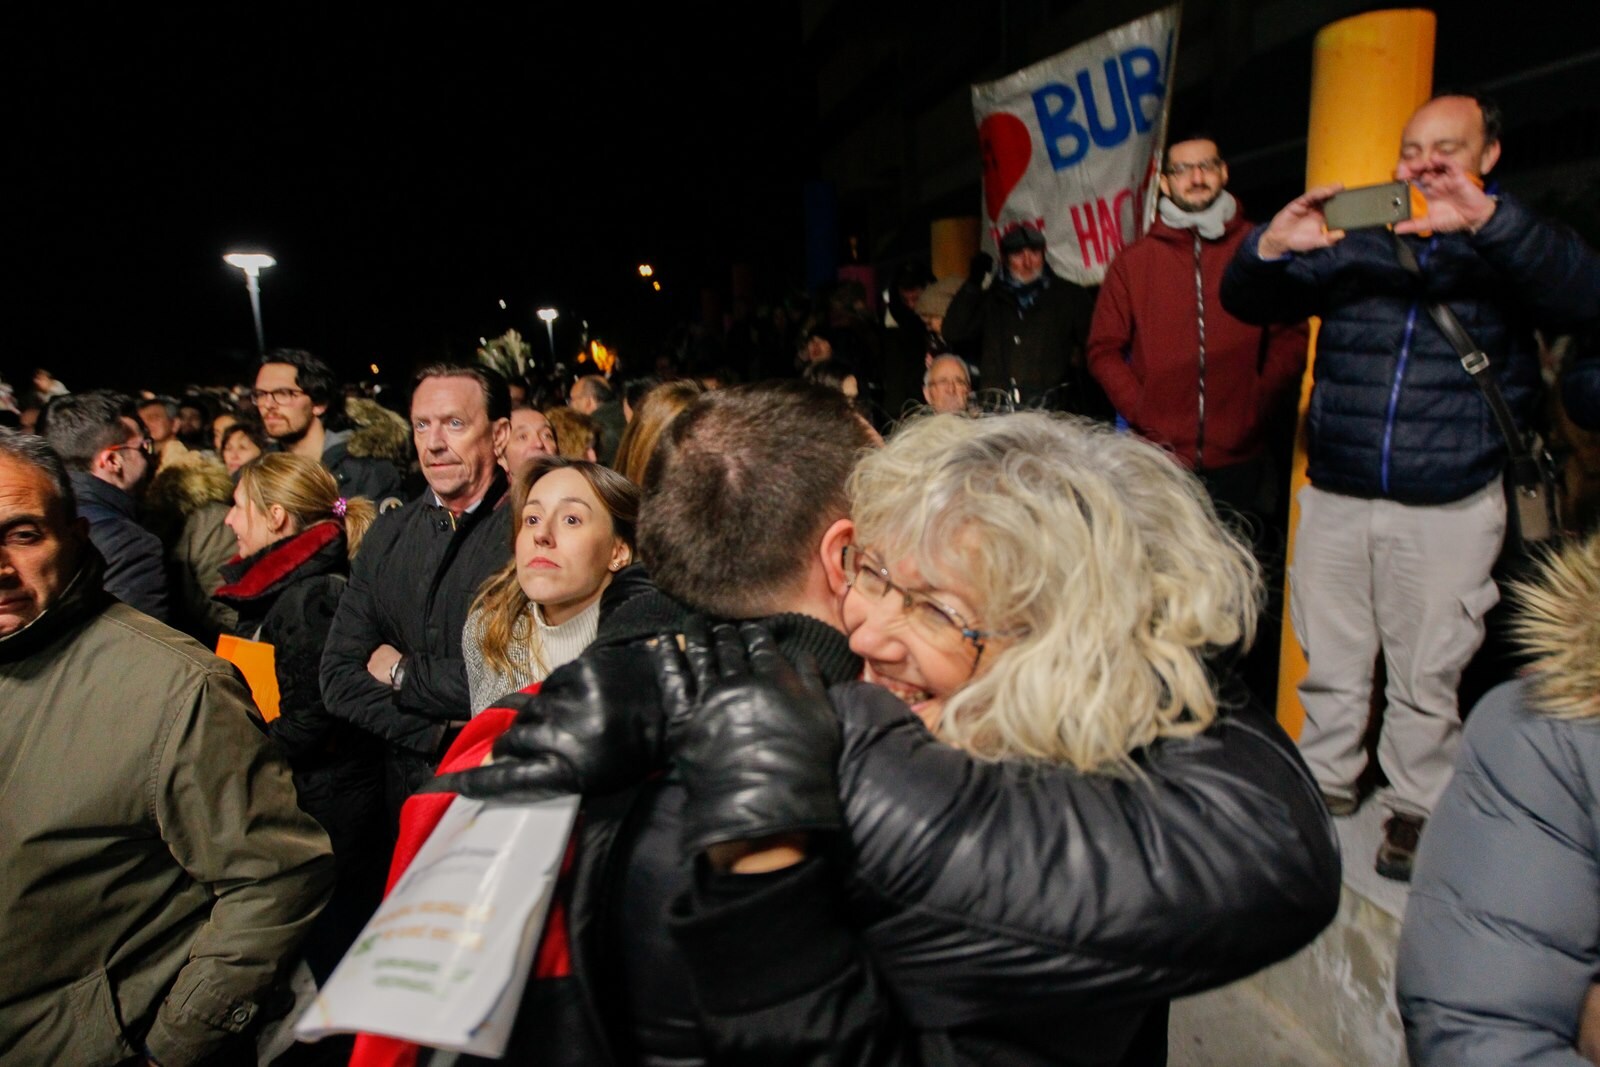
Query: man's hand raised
x=1301, y=225
x=1456, y=201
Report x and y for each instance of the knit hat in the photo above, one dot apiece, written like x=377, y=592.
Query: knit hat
x=1019, y=237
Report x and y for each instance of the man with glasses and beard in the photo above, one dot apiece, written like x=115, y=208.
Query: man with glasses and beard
x=1182, y=371
x=301, y=408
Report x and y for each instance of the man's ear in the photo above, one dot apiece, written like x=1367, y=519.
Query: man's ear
x=109, y=462
x=1491, y=156
x=1162, y=181
x=501, y=435
x=319, y=410
x=841, y=534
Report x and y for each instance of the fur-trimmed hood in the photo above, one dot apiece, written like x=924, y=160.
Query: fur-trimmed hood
x=176, y=493
x=1558, y=623
x=377, y=433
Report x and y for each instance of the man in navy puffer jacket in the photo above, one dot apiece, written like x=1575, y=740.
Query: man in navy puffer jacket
x=1405, y=513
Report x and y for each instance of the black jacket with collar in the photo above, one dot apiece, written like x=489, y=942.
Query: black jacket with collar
x=411, y=586
x=136, y=570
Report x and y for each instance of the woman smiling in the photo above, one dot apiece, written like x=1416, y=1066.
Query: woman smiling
x=1028, y=560
x=574, y=529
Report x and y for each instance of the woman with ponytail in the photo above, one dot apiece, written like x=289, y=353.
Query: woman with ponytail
x=296, y=535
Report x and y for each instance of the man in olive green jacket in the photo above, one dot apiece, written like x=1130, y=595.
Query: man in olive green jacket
x=156, y=873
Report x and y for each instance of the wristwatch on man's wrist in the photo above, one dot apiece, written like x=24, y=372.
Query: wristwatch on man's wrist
x=397, y=674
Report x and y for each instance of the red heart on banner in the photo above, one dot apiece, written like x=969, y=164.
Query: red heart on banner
x=1007, y=151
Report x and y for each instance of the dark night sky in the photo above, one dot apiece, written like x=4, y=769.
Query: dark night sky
x=407, y=172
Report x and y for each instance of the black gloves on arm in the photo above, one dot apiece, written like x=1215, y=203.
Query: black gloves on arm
x=596, y=725
x=759, y=755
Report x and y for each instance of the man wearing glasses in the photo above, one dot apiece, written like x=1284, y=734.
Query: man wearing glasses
x=110, y=458
x=1179, y=369
x=302, y=409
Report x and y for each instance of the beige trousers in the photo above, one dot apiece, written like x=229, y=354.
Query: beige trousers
x=1410, y=581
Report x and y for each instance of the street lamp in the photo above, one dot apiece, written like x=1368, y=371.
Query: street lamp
x=549, y=316
x=253, y=263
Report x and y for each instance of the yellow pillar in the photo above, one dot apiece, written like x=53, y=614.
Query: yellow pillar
x=952, y=244
x=1368, y=74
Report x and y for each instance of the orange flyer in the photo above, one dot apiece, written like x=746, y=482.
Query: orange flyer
x=255, y=661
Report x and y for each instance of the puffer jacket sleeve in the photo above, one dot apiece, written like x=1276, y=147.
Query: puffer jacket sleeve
x=226, y=809
x=1501, y=939
x=1266, y=291
x=1001, y=881
x=1548, y=267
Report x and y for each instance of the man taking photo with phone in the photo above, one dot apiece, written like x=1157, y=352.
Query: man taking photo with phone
x=1405, y=514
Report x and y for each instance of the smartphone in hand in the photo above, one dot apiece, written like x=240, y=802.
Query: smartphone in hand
x=1368, y=206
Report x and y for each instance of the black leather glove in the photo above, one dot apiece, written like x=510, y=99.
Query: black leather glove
x=979, y=266
x=759, y=755
x=598, y=724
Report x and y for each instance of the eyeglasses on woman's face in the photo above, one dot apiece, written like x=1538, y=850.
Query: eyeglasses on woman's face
x=941, y=626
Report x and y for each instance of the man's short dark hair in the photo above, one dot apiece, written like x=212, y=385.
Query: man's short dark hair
x=1191, y=135
x=496, y=396
x=741, y=489
x=595, y=387
x=316, y=378
x=167, y=404
x=1493, y=118
x=79, y=426
x=37, y=453
x=634, y=389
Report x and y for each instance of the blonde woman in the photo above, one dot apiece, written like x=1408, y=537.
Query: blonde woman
x=1042, y=559
x=573, y=530
x=296, y=535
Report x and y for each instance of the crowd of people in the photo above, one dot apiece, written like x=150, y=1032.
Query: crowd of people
x=944, y=737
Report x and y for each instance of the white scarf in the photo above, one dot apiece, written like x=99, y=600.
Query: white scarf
x=1209, y=222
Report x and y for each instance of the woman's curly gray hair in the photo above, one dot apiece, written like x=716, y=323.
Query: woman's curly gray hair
x=1096, y=548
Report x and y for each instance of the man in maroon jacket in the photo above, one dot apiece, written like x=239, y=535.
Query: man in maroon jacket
x=1181, y=370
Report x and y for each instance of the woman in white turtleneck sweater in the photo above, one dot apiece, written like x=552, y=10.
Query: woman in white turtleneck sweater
x=573, y=529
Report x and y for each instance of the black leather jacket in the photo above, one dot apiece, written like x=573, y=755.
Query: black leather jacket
x=1028, y=914
x=984, y=905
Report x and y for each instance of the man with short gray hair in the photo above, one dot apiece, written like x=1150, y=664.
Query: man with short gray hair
x=156, y=874
x=946, y=386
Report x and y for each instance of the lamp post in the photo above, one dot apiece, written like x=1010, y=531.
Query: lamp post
x=253, y=263
x=549, y=317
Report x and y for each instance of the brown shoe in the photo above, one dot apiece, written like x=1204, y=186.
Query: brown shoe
x=1399, y=848
x=1339, y=805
